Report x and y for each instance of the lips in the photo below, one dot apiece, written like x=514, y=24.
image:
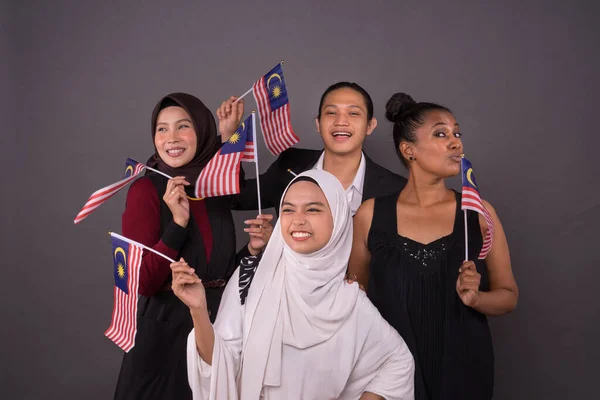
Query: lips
x=301, y=235
x=456, y=157
x=341, y=135
x=175, y=151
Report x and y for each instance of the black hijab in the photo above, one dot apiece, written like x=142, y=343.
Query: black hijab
x=206, y=135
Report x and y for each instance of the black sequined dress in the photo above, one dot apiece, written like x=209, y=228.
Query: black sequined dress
x=414, y=287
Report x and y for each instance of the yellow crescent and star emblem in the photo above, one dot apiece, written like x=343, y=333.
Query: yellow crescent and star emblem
x=234, y=138
x=470, y=177
x=128, y=171
x=120, y=265
x=276, y=91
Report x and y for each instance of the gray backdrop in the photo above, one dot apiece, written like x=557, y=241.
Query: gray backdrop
x=79, y=80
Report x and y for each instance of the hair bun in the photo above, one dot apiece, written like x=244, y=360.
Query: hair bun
x=396, y=105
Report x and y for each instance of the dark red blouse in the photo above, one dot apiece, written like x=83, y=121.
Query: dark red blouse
x=141, y=222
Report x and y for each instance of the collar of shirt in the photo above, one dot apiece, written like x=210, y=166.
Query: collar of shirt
x=354, y=192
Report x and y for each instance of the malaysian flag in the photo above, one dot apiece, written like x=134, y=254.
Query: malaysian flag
x=249, y=154
x=132, y=169
x=127, y=259
x=471, y=200
x=221, y=176
x=271, y=96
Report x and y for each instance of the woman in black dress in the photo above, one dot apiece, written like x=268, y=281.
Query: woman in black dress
x=413, y=265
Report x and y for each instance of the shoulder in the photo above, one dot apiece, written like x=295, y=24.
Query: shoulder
x=293, y=154
x=142, y=188
x=482, y=221
x=364, y=216
x=488, y=206
x=365, y=209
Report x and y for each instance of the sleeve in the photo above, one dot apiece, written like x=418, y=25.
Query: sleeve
x=141, y=222
x=247, y=199
x=384, y=359
x=219, y=380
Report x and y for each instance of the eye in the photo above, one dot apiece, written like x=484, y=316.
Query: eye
x=161, y=129
x=457, y=134
x=313, y=210
x=329, y=112
x=440, y=134
x=183, y=126
x=354, y=113
x=287, y=210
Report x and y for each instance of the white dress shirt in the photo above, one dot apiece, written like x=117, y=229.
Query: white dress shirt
x=354, y=192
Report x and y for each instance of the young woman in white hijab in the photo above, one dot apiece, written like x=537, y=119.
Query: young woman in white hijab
x=294, y=328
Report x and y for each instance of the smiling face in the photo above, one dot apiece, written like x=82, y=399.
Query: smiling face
x=343, y=123
x=437, y=148
x=174, y=137
x=305, y=217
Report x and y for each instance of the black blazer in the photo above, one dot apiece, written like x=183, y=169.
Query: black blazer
x=378, y=180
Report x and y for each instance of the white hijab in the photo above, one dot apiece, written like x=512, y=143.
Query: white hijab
x=299, y=300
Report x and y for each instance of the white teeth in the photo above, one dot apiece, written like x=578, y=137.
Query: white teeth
x=301, y=234
x=342, y=134
x=175, y=151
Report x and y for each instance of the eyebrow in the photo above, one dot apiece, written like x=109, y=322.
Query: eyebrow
x=443, y=123
x=181, y=120
x=312, y=203
x=350, y=106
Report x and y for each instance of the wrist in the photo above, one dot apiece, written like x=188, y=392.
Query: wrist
x=182, y=222
x=254, y=252
x=199, y=313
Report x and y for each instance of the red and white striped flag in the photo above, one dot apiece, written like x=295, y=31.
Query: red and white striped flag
x=271, y=97
x=249, y=154
x=127, y=259
x=132, y=170
x=221, y=176
x=471, y=200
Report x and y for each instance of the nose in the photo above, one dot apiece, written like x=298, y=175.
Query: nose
x=341, y=120
x=455, y=143
x=172, y=136
x=298, y=221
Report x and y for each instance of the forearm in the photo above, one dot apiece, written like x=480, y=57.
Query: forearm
x=204, y=333
x=496, y=302
x=155, y=270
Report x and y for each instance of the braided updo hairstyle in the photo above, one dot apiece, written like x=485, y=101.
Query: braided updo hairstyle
x=407, y=116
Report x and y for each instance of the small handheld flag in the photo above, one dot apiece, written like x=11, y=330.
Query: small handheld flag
x=247, y=129
x=471, y=200
x=271, y=97
x=127, y=259
x=132, y=169
x=221, y=176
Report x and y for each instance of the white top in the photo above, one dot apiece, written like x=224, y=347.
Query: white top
x=303, y=331
x=354, y=192
x=366, y=354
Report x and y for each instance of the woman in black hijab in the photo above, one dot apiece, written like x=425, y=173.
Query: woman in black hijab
x=162, y=213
